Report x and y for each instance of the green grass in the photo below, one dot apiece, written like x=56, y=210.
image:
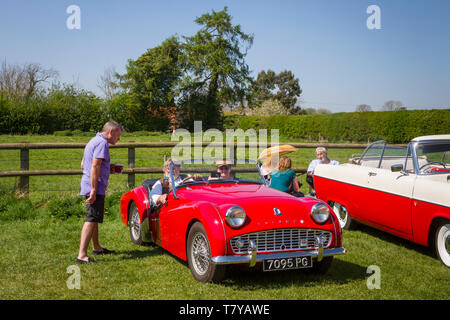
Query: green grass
x=39, y=242
x=37, y=252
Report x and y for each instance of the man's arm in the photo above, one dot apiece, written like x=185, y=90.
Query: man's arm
x=95, y=174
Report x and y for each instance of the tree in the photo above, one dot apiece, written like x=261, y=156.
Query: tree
x=109, y=83
x=363, y=108
x=263, y=87
x=214, y=58
x=21, y=82
x=269, y=107
x=152, y=82
x=392, y=105
x=283, y=87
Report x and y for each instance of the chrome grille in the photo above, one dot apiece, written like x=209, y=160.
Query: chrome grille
x=280, y=240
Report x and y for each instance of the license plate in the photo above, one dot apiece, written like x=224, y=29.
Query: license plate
x=287, y=263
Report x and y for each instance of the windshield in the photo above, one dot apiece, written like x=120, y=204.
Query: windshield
x=211, y=171
x=433, y=157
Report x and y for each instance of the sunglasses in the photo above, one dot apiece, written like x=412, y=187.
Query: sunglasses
x=224, y=168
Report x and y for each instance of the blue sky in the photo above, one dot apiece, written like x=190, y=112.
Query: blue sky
x=340, y=62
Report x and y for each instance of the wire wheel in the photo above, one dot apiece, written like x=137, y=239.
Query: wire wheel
x=134, y=223
x=200, y=254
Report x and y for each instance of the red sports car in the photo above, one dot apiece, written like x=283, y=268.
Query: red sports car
x=213, y=221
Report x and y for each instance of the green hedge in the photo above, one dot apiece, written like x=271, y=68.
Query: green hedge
x=392, y=126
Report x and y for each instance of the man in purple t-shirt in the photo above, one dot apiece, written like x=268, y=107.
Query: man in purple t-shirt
x=94, y=182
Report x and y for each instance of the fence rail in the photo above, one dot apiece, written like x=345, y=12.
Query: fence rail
x=25, y=173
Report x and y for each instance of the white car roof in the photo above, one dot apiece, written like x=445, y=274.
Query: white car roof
x=433, y=137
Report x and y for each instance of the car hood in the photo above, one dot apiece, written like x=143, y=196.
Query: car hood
x=221, y=193
x=258, y=201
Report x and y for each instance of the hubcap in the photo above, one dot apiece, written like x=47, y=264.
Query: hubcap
x=200, y=254
x=341, y=213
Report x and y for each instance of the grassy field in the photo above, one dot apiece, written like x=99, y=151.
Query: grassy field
x=39, y=243
x=37, y=252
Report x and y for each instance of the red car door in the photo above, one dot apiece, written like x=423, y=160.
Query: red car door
x=390, y=202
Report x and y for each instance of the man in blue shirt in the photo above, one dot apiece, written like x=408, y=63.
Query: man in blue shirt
x=94, y=182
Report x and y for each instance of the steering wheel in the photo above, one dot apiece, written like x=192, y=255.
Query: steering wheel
x=190, y=178
x=430, y=163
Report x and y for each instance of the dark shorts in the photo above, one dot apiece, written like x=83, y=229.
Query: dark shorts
x=95, y=211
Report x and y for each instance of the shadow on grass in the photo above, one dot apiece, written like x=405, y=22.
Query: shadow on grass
x=341, y=272
x=384, y=236
x=148, y=251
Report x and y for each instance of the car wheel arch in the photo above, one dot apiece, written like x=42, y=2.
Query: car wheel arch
x=213, y=231
x=346, y=224
x=434, y=224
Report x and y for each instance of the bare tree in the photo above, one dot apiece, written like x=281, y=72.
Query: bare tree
x=363, y=108
x=109, y=82
x=18, y=81
x=392, y=105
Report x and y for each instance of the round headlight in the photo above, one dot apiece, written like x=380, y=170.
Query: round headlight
x=320, y=213
x=235, y=217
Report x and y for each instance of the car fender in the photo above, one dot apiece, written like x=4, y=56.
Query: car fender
x=424, y=221
x=208, y=215
x=139, y=196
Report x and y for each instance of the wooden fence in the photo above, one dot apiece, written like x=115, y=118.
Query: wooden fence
x=25, y=147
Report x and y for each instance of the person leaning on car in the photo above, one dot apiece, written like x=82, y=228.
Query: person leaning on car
x=322, y=158
x=94, y=182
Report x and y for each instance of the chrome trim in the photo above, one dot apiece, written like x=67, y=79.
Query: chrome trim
x=313, y=208
x=281, y=240
x=248, y=258
x=253, y=253
x=228, y=218
x=319, y=248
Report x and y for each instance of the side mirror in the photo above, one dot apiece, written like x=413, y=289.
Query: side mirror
x=397, y=168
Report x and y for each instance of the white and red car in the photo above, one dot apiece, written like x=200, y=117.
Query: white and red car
x=402, y=190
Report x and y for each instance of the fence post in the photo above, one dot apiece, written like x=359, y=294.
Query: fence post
x=24, y=181
x=131, y=164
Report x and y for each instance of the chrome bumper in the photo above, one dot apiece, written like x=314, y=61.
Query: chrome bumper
x=252, y=257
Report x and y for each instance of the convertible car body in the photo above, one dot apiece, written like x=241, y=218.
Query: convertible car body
x=216, y=222
x=402, y=190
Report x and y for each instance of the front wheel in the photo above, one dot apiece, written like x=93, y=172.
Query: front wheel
x=134, y=223
x=199, y=256
x=442, y=242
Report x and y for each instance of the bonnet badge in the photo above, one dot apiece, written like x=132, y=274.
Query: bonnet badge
x=277, y=212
